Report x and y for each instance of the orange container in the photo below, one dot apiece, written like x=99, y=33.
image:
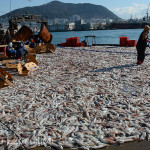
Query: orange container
x=132, y=43
x=5, y=51
x=124, y=41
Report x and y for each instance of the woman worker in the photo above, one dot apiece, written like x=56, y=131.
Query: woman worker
x=142, y=44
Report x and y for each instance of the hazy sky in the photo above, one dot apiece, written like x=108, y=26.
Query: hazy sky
x=123, y=8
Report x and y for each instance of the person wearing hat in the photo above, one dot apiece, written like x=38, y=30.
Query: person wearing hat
x=8, y=37
x=21, y=50
x=142, y=44
x=10, y=51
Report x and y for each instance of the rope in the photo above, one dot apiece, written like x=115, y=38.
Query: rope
x=23, y=146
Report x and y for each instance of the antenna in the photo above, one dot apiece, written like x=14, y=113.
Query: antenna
x=148, y=11
x=11, y=2
x=131, y=16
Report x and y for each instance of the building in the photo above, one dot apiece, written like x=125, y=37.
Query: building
x=71, y=26
x=57, y=27
x=75, y=18
x=80, y=25
x=86, y=26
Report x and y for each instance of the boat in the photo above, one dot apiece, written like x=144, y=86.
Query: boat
x=131, y=23
x=128, y=24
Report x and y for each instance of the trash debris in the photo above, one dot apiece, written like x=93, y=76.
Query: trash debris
x=5, y=78
x=45, y=48
x=23, y=34
x=22, y=70
x=44, y=35
x=30, y=63
x=31, y=58
x=31, y=66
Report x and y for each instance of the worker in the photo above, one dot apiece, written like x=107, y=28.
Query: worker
x=38, y=41
x=8, y=37
x=142, y=44
x=84, y=43
x=21, y=50
x=10, y=50
x=32, y=44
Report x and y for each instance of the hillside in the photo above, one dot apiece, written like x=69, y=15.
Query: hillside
x=56, y=9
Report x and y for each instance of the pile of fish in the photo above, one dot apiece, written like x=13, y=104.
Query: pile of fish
x=86, y=98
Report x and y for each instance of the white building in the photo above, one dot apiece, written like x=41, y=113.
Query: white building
x=71, y=26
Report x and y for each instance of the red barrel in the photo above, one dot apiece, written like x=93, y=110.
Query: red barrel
x=132, y=43
x=124, y=41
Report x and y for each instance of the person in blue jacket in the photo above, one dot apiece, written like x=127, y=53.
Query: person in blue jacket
x=10, y=51
x=21, y=50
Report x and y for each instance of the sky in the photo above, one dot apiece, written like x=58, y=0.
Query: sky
x=124, y=9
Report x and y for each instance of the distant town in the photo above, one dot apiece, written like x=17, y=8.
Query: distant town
x=76, y=23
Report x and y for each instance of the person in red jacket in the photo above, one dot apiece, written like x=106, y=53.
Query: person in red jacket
x=142, y=44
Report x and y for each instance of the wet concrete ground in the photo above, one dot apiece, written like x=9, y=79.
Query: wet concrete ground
x=137, y=145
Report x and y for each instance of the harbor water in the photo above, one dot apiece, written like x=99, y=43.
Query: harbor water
x=102, y=36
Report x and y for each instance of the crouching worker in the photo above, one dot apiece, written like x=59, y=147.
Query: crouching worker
x=10, y=52
x=21, y=50
x=84, y=43
x=32, y=44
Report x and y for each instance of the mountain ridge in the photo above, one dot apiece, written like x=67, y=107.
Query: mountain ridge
x=57, y=9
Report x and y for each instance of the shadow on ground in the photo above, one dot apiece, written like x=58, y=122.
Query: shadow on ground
x=115, y=67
